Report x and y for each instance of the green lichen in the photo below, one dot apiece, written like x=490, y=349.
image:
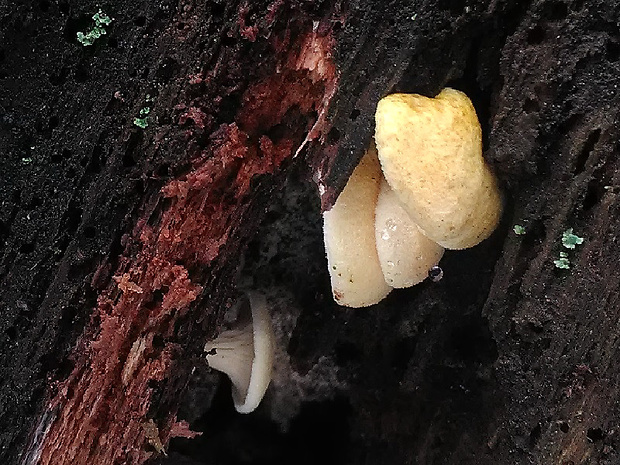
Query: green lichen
x=101, y=21
x=519, y=230
x=570, y=240
x=143, y=120
x=563, y=262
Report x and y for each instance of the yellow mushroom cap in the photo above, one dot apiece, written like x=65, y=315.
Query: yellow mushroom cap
x=405, y=253
x=431, y=155
x=349, y=232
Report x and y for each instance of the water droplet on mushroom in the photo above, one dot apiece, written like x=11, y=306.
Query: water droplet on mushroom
x=385, y=235
x=435, y=274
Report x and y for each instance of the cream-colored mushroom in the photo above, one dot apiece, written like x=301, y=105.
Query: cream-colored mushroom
x=245, y=354
x=405, y=253
x=431, y=155
x=349, y=232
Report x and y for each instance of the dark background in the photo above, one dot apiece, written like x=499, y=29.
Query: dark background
x=506, y=360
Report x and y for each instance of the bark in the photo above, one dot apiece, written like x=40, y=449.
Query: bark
x=123, y=247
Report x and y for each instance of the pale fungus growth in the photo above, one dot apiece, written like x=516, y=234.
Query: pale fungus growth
x=349, y=233
x=245, y=354
x=429, y=189
x=406, y=255
x=431, y=155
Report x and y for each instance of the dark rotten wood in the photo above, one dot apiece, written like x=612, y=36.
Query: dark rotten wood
x=121, y=247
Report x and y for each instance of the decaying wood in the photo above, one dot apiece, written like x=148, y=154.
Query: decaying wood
x=122, y=246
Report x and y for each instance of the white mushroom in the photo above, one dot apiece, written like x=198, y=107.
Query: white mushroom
x=405, y=253
x=245, y=354
x=349, y=232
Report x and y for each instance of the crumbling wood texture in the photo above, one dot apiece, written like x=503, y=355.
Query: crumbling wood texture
x=120, y=245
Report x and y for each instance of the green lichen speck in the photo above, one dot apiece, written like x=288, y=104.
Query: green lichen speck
x=570, y=240
x=563, y=262
x=101, y=21
x=519, y=230
x=143, y=120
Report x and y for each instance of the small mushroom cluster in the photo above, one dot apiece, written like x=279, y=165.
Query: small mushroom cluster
x=424, y=188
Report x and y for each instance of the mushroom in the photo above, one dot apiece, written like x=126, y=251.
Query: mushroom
x=430, y=151
x=349, y=232
x=245, y=354
x=406, y=255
